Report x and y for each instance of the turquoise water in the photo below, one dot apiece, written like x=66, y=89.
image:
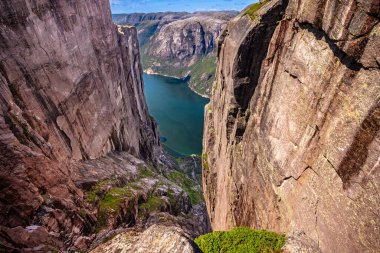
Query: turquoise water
x=178, y=111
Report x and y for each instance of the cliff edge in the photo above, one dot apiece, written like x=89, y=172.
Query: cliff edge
x=291, y=139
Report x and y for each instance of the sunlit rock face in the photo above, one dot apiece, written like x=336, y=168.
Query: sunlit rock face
x=292, y=138
x=156, y=239
x=70, y=90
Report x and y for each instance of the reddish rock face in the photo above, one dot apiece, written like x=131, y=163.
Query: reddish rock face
x=292, y=138
x=70, y=89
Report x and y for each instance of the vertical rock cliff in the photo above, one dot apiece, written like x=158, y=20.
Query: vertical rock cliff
x=70, y=90
x=292, y=138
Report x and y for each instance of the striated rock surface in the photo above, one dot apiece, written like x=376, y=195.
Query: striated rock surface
x=180, y=44
x=292, y=138
x=79, y=153
x=160, y=239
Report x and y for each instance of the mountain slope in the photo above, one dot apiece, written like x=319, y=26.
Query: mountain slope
x=291, y=136
x=180, y=44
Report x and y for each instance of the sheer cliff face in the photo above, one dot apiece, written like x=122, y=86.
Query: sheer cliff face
x=185, y=48
x=70, y=89
x=72, y=79
x=184, y=41
x=292, y=138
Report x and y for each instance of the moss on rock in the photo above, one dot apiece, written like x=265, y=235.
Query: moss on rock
x=241, y=240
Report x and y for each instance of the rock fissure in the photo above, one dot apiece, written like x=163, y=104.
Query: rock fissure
x=298, y=177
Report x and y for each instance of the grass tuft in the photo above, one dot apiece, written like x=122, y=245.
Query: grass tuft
x=241, y=240
x=154, y=203
x=253, y=8
x=205, y=162
x=188, y=186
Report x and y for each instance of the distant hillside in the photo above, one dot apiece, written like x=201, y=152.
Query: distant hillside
x=179, y=44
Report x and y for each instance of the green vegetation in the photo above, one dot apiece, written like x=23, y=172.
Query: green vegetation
x=110, y=201
x=110, y=204
x=253, y=8
x=205, y=162
x=205, y=67
x=153, y=203
x=241, y=240
x=82, y=213
x=96, y=190
x=144, y=172
x=190, y=187
x=171, y=197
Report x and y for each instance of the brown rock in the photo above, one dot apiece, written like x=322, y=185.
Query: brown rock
x=82, y=242
x=70, y=90
x=292, y=131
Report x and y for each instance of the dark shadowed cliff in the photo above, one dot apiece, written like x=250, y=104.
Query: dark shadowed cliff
x=292, y=138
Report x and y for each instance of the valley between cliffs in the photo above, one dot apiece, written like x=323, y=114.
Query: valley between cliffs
x=291, y=137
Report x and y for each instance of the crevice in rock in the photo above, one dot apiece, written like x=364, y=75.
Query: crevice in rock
x=316, y=221
x=293, y=76
x=297, y=178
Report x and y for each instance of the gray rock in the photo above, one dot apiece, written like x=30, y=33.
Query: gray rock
x=156, y=239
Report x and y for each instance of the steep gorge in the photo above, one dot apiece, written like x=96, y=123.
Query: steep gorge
x=291, y=138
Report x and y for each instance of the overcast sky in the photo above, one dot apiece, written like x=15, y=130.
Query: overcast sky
x=128, y=6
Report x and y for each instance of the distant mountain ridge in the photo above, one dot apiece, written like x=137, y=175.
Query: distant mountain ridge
x=179, y=44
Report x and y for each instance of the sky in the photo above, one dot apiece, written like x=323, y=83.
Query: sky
x=130, y=6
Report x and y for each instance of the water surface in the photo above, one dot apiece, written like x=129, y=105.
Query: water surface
x=178, y=111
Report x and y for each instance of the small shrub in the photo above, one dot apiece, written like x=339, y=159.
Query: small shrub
x=241, y=240
x=92, y=195
x=188, y=185
x=252, y=9
x=154, y=203
x=205, y=162
x=110, y=204
x=144, y=172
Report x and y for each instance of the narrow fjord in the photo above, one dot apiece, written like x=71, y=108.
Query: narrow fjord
x=178, y=111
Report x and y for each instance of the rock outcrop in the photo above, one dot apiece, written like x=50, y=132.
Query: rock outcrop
x=75, y=129
x=292, y=138
x=156, y=239
x=180, y=44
